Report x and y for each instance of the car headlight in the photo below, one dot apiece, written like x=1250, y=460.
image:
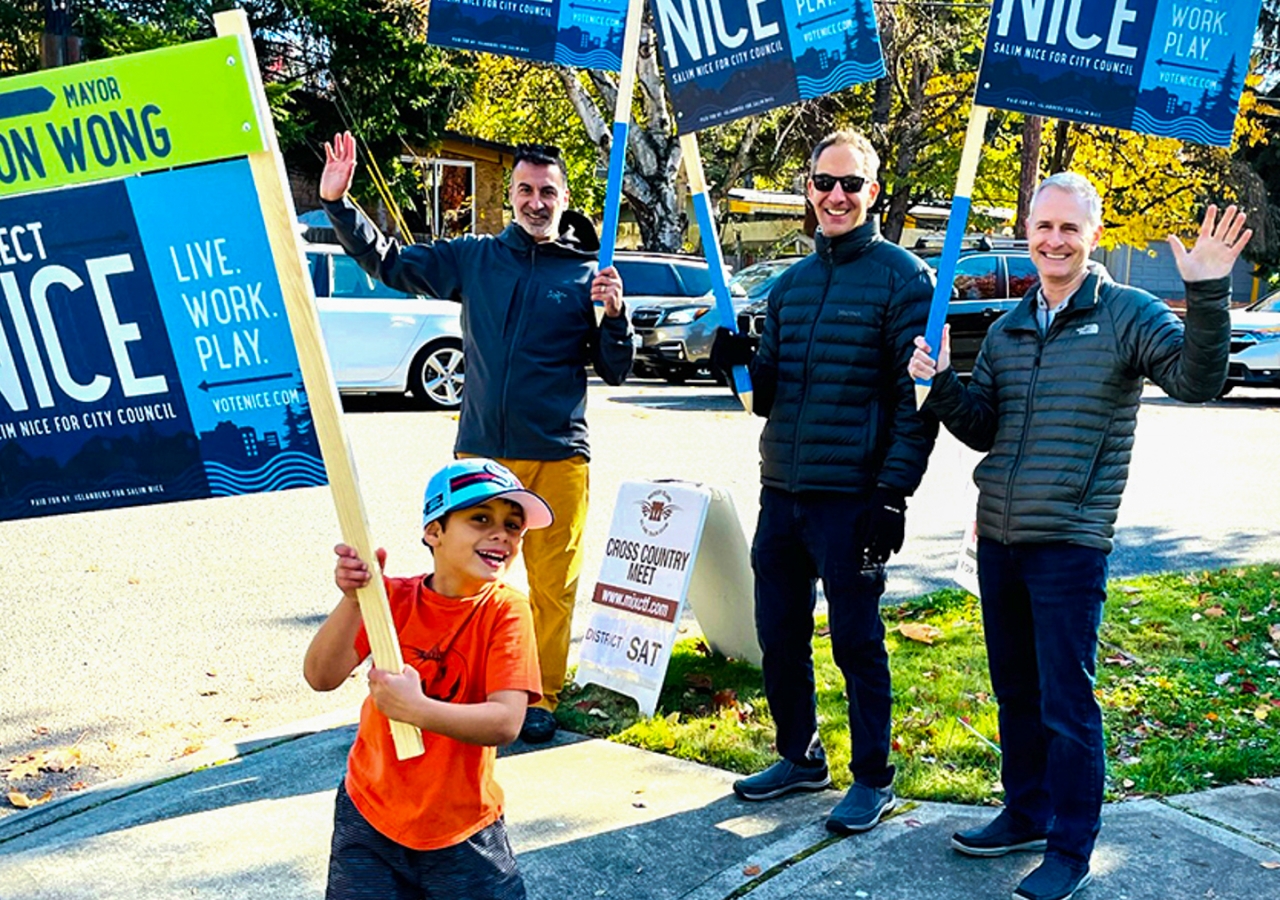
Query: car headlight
x=686, y=316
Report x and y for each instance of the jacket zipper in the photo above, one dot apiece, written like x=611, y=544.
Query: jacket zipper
x=1022, y=442
x=804, y=380
x=506, y=375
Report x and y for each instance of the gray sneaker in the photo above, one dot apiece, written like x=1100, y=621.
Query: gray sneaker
x=861, y=809
x=782, y=777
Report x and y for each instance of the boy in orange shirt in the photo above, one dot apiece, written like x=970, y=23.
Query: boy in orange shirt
x=432, y=825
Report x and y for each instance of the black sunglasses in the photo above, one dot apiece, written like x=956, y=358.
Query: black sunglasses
x=851, y=183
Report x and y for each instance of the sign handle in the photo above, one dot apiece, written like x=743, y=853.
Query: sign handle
x=957, y=222
x=711, y=250
x=278, y=214
x=621, y=128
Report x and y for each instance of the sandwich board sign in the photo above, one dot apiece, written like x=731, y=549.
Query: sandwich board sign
x=657, y=539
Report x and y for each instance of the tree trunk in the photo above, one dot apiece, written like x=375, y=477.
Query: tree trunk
x=1029, y=174
x=653, y=150
x=1063, y=151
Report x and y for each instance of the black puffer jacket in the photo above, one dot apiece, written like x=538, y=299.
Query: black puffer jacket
x=836, y=341
x=1057, y=413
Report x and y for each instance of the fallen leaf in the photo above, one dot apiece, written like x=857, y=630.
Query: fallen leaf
x=639, y=804
x=698, y=680
x=27, y=767
x=190, y=749
x=1212, y=717
x=822, y=631
x=1257, y=782
x=1261, y=713
x=598, y=713
x=1271, y=864
x=752, y=870
x=22, y=801
x=727, y=698
x=1127, y=783
x=134, y=579
x=60, y=760
x=1215, y=611
x=1248, y=687
x=44, y=729
x=1273, y=630
x=912, y=823
x=77, y=786
x=586, y=705
x=1221, y=678
x=1123, y=662
x=702, y=647
x=919, y=632
x=1130, y=589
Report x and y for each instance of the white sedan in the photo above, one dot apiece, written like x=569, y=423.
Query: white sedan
x=382, y=340
x=1255, y=345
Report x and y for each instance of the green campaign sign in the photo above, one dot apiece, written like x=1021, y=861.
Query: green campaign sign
x=116, y=117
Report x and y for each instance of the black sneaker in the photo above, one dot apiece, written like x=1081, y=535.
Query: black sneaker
x=782, y=777
x=539, y=726
x=999, y=836
x=1054, y=879
x=861, y=809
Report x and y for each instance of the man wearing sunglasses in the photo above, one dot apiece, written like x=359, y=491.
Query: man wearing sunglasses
x=842, y=450
x=529, y=331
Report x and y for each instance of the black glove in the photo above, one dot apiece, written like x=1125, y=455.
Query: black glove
x=730, y=349
x=883, y=526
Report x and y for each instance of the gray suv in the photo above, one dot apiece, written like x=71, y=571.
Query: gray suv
x=672, y=312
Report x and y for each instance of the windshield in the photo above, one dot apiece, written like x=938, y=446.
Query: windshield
x=1269, y=303
x=754, y=280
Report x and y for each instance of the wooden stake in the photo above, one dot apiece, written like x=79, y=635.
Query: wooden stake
x=271, y=182
x=621, y=129
x=711, y=250
x=957, y=222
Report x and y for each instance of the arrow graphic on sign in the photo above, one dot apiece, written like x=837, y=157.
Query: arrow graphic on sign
x=25, y=102
x=1178, y=65
x=208, y=385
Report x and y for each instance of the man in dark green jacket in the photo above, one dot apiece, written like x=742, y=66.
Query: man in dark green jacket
x=1054, y=401
x=529, y=331
x=843, y=448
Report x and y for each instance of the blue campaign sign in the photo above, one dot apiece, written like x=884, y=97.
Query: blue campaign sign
x=1174, y=68
x=145, y=355
x=723, y=59
x=585, y=33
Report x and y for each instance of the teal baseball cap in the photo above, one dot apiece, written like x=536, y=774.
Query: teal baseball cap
x=469, y=482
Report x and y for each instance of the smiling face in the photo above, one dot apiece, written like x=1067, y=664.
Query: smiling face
x=539, y=196
x=839, y=212
x=474, y=546
x=1060, y=237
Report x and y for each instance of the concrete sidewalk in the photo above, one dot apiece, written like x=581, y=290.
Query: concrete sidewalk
x=595, y=819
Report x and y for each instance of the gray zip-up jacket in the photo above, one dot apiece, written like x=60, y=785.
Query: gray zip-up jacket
x=1056, y=413
x=529, y=329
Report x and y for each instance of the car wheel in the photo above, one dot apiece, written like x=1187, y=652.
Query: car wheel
x=437, y=374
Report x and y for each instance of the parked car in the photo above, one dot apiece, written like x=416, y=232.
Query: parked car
x=1255, y=345
x=989, y=281
x=382, y=340
x=669, y=296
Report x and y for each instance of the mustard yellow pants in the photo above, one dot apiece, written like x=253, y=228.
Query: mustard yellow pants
x=553, y=559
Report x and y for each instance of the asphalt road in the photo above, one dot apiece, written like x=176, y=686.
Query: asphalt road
x=141, y=635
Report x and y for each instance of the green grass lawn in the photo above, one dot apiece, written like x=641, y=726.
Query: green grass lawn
x=1188, y=679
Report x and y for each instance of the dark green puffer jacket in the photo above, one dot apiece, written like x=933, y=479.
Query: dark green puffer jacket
x=836, y=341
x=1057, y=413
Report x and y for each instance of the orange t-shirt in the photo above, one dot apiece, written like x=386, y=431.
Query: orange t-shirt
x=465, y=649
